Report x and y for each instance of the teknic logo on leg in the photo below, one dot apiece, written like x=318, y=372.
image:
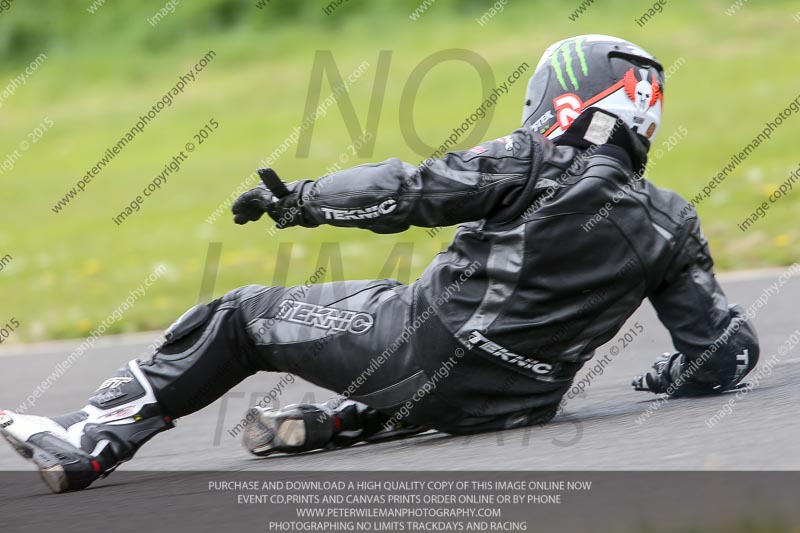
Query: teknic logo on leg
x=477, y=340
x=327, y=318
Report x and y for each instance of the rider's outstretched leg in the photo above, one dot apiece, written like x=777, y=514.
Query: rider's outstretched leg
x=327, y=334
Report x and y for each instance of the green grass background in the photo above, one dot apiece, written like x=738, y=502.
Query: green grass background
x=70, y=270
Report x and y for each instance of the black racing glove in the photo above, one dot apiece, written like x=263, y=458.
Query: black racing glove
x=667, y=376
x=286, y=211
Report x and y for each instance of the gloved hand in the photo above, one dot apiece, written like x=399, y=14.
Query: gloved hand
x=669, y=374
x=286, y=211
x=660, y=376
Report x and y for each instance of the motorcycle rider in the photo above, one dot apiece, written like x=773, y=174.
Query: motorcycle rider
x=512, y=310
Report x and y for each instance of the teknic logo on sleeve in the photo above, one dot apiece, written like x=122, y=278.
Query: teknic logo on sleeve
x=360, y=213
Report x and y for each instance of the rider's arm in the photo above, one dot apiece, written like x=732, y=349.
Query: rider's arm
x=463, y=186
x=717, y=341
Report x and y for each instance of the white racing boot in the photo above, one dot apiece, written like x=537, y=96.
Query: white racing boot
x=73, y=450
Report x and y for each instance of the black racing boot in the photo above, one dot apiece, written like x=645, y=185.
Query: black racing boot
x=334, y=424
x=73, y=450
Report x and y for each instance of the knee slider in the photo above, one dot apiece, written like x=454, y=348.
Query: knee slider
x=185, y=331
x=188, y=322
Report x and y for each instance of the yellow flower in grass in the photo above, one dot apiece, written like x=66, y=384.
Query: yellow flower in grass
x=768, y=189
x=84, y=325
x=191, y=266
x=48, y=279
x=781, y=240
x=91, y=267
x=231, y=259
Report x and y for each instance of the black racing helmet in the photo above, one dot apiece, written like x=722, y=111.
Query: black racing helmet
x=594, y=71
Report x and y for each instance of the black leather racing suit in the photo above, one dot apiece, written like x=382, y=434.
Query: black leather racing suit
x=561, y=242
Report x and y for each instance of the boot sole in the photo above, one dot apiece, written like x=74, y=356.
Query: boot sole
x=51, y=472
x=292, y=432
x=276, y=433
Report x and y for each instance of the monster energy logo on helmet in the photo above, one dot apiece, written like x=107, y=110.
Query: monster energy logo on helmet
x=564, y=51
x=594, y=71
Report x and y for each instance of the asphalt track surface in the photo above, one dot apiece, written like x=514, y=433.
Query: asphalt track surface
x=601, y=429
